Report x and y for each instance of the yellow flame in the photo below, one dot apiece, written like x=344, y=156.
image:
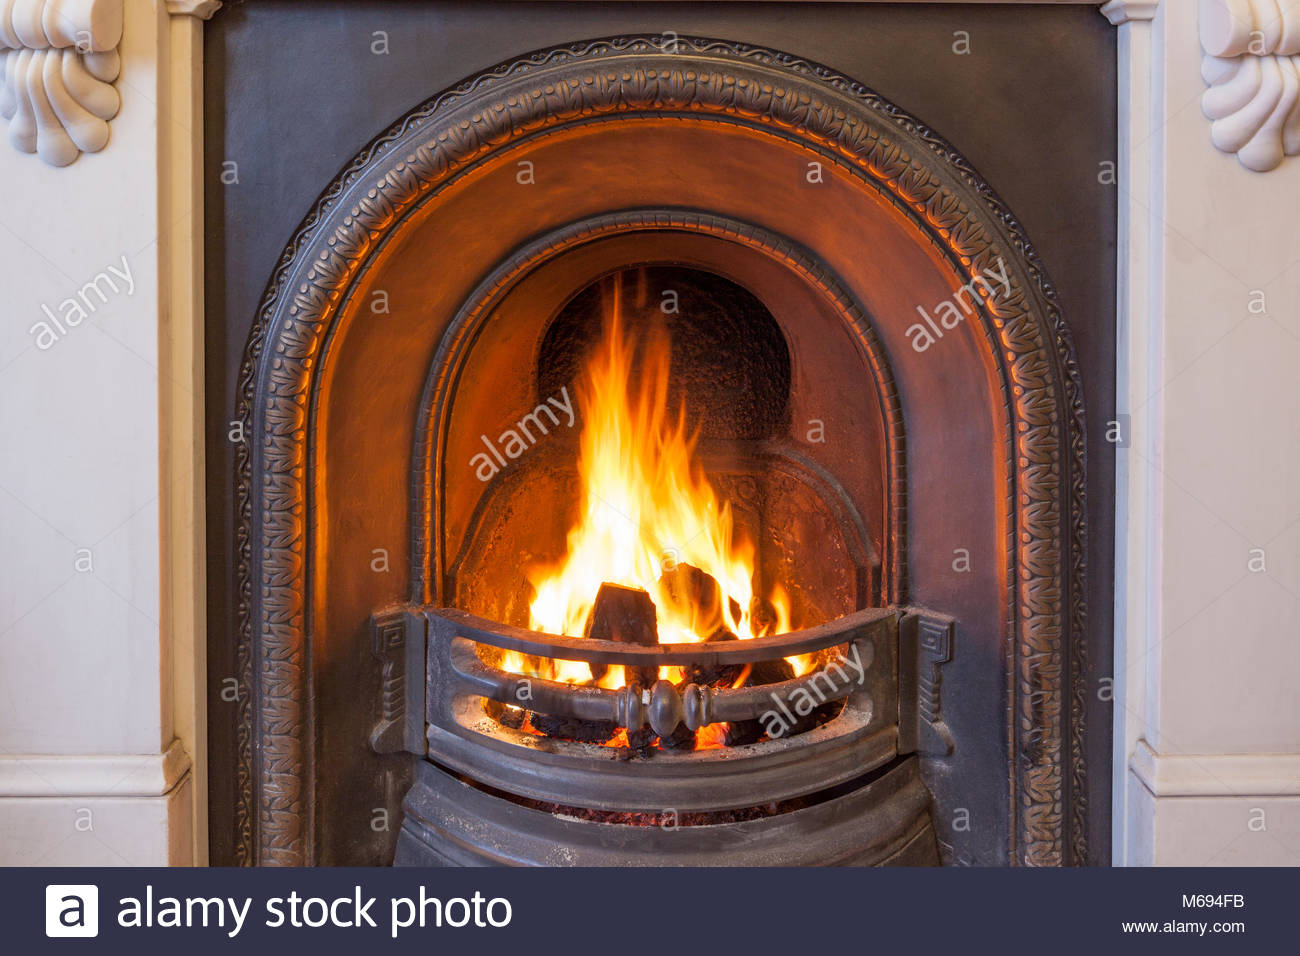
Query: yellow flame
x=645, y=508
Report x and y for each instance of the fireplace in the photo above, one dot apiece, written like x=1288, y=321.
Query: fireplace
x=658, y=477
x=657, y=494
x=687, y=446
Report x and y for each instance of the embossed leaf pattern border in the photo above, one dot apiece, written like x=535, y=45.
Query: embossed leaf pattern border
x=729, y=81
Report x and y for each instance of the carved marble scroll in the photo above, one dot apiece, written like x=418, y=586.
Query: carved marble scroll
x=1252, y=66
x=58, y=61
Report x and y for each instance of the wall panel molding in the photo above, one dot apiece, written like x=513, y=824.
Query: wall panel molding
x=1216, y=775
x=82, y=775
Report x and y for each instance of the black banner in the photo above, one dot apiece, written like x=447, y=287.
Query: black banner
x=652, y=911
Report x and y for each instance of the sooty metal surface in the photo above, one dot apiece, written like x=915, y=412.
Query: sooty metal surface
x=883, y=820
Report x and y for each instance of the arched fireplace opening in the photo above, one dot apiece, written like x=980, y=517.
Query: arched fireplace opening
x=759, y=440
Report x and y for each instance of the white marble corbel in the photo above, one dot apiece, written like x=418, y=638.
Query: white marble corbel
x=1252, y=66
x=58, y=61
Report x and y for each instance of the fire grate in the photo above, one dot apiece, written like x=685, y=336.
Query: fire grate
x=445, y=700
x=445, y=718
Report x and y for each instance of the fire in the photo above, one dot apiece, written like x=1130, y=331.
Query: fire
x=645, y=508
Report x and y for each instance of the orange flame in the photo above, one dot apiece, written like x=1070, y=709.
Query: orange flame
x=645, y=507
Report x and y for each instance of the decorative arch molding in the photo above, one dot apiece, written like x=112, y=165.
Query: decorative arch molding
x=890, y=152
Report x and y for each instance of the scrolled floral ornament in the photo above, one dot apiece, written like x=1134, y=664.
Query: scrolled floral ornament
x=1252, y=68
x=58, y=61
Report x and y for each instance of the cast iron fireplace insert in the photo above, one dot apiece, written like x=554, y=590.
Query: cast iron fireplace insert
x=870, y=373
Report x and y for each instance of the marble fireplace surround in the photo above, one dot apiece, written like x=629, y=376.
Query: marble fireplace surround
x=1185, y=786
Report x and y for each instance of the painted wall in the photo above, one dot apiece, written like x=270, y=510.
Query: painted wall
x=1207, y=712
x=88, y=769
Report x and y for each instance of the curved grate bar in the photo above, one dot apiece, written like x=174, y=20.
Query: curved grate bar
x=537, y=644
x=665, y=705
